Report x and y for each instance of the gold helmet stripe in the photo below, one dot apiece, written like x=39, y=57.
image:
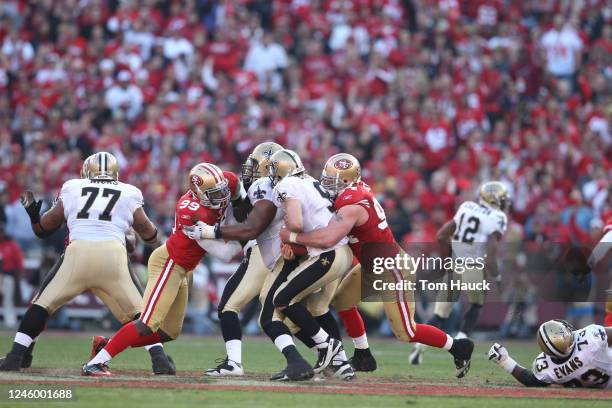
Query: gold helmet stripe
x=297, y=165
x=549, y=344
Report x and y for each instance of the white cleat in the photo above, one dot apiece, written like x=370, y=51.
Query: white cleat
x=226, y=368
x=416, y=357
x=341, y=370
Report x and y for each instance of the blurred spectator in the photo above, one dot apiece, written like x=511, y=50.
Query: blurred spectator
x=562, y=47
x=11, y=268
x=124, y=99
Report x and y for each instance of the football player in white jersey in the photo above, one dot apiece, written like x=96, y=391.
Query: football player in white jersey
x=572, y=358
x=99, y=211
x=474, y=233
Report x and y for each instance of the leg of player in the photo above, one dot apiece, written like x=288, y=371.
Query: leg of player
x=297, y=368
x=440, y=309
x=32, y=324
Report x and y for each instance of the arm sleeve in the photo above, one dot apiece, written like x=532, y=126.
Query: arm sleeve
x=286, y=189
x=529, y=379
x=218, y=248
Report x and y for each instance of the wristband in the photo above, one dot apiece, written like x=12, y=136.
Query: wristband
x=508, y=364
x=293, y=237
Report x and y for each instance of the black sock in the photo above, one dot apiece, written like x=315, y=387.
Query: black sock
x=291, y=354
x=32, y=324
x=302, y=318
x=471, y=318
x=329, y=324
x=230, y=326
x=156, y=351
x=437, y=321
x=306, y=339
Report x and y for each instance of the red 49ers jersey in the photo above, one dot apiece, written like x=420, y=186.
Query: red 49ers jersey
x=185, y=251
x=375, y=229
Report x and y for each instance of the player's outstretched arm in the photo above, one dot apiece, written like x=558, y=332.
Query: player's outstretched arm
x=259, y=218
x=145, y=228
x=339, y=227
x=445, y=232
x=499, y=355
x=49, y=222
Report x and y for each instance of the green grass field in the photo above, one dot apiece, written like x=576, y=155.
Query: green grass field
x=58, y=358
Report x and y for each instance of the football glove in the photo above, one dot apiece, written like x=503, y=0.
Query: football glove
x=200, y=230
x=31, y=205
x=498, y=354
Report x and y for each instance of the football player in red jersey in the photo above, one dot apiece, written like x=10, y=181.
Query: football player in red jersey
x=166, y=294
x=599, y=252
x=361, y=217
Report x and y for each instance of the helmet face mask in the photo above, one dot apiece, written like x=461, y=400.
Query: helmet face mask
x=216, y=198
x=256, y=165
x=209, y=185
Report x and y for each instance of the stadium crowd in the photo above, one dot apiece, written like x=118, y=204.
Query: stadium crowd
x=432, y=96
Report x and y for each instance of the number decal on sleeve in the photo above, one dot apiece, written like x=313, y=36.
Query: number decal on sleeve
x=541, y=363
x=92, y=194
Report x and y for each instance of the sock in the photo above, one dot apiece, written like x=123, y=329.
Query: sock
x=280, y=335
x=302, y=318
x=234, y=350
x=147, y=340
x=306, y=339
x=32, y=324
x=320, y=338
x=148, y=347
x=230, y=326
x=361, y=342
x=155, y=349
x=430, y=335
x=291, y=354
x=102, y=357
x=21, y=343
x=329, y=324
x=471, y=318
x=125, y=337
x=353, y=323
x=341, y=356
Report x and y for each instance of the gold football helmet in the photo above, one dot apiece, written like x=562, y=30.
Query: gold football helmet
x=342, y=170
x=556, y=338
x=284, y=163
x=209, y=184
x=85, y=167
x=101, y=166
x=496, y=194
x=256, y=165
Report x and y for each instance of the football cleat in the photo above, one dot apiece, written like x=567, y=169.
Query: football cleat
x=280, y=376
x=163, y=364
x=416, y=357
x=363, y=360
x=462, y=352
x=295, y=371
x=326, y=354
x=95, y=370
x=226, y=368
x=12, y=362
x=341, y=370
x=97, y=344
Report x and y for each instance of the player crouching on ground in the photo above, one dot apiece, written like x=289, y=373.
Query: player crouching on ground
x=169, y=266
x=572, y=358
x=360, y=216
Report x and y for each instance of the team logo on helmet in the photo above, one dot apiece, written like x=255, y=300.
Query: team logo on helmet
x=343, y=164
x=196, y=180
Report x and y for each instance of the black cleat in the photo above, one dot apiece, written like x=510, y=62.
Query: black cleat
x=326, y=354
x=299, y=371
x=363, y=360
x=462, y=352
x=12, y=362
x=280, y=376
x=163, y=365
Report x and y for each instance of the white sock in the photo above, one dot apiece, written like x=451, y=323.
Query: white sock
x=361, y=342
x=321, y=338
x=461, y=335
x=234, y=350
x=23, y=339
x=283, y=341
x=449, y=343
x=150, y=346
x=100, y=358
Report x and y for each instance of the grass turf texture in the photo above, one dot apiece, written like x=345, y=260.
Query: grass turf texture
x=58, y=357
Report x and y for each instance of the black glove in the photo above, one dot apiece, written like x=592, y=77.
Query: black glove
x=32, y=206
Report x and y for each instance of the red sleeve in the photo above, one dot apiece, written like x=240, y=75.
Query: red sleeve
x=233, y=183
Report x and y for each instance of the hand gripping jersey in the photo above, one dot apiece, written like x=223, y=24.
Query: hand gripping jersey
x=589, y=365
x=269, y=240
x=376, y=229
x=474, y=224
x=185, y=251
x=317, y=207
x=99, y=211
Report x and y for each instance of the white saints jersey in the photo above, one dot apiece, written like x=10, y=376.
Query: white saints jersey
x=317, y=207
x=474, y=225
x=229, y=219
x=99, y=211
x=269, y=240
x=589, y=365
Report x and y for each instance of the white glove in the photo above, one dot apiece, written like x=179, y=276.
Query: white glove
x=499, y=355
x=200, y=230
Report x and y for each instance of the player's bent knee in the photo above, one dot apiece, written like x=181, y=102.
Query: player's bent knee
x=144, y=329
